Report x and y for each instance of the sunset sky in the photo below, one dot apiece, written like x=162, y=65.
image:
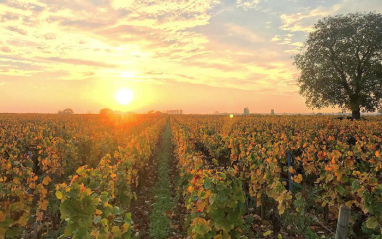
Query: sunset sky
x=197, y=55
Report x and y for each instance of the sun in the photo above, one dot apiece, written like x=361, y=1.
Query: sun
x=124, y=96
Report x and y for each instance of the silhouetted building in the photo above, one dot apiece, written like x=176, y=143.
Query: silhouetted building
x=246, y=111
x=272, y=111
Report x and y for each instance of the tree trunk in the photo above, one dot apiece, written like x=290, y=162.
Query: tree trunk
x=356, y=114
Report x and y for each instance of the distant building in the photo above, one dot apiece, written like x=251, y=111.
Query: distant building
x=272, y=111
x=246, y=111
x=174, y=112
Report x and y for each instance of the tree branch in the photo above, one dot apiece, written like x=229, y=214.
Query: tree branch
x=342, y=74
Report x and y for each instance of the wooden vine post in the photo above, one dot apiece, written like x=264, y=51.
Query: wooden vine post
x=343, y=222
x=35, y=230
x=290, y=183
x=261, y=208
x=326, y=214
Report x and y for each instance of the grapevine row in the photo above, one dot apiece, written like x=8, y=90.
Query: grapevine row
x=339, y=160
x=39, y=153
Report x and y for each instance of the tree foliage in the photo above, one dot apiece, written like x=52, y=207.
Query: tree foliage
x=105, y=111
x=67, y=111
x=341, y=63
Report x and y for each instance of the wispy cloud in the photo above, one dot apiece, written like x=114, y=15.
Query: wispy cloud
x=169, y=14
x=303, y=21
x=247, y=4
x=16, y=29
x=244, y=33
x=79, y=62
x=5, y=49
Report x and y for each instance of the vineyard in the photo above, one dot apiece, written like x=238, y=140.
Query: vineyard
x=189, y=176
x=72, y=176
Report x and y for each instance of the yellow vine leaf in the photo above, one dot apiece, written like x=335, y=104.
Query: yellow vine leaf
x=349, y=204
x=39, y=216
x=2, y=216
x=291, y=170
x=125, y=227
x=115, y=230
x=281, y=208
x=297, y=178
x=44, y=205
x=95, y=233
x=200, y=206
x=59, y=195
x=46, y=180
x=267, y=233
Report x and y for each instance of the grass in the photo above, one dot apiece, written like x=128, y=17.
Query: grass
x=159, y=222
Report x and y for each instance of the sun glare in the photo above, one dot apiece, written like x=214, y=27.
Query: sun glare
x=124, y=96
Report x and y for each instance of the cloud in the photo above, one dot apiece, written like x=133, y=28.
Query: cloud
x=146, y=36
x=276, y=38
x=50, y=36
x=14, y=64
x=244, y=33
x=216, y=66
x=303, y=21
x=5, y=49
x=9, y=16
x=247, y=4
x=80, y=62
x=88, y=73
x=16, y=29
x=241, y=44
x=170, y=15
x=284, y=40
x=166, y=8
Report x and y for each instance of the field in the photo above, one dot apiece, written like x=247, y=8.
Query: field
x=189, y=176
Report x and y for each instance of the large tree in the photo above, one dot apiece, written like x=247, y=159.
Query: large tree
x=341, y=63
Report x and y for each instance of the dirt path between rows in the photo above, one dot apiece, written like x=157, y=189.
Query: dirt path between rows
x=159, y=211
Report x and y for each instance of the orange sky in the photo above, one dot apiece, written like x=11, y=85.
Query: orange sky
x=197, y=55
